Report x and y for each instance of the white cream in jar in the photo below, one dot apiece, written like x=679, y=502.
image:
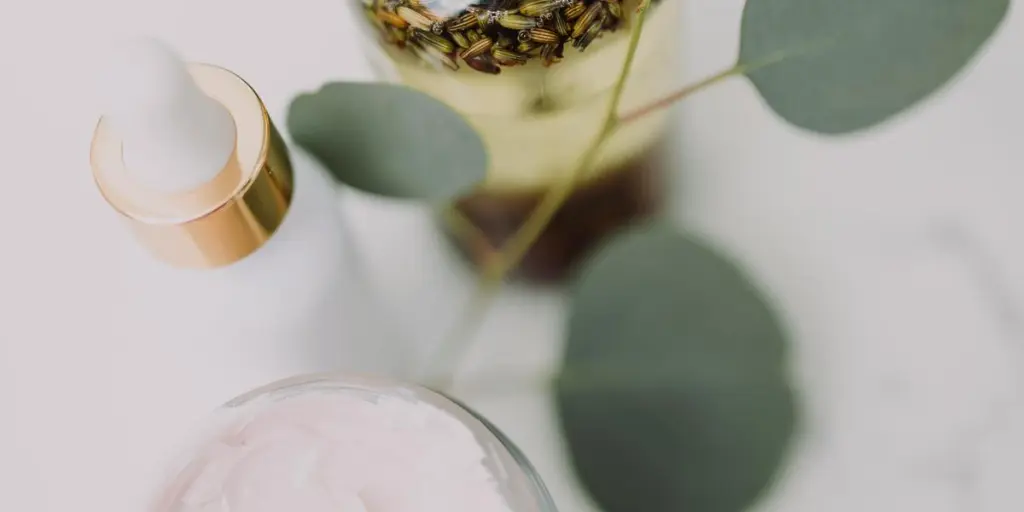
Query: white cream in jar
x=318, y=444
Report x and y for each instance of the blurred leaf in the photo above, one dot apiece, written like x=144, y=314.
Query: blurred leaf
x=673, y=395
x=389, y=140
x=836, y=66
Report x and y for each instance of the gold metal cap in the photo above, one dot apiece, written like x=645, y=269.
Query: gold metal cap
x=228, y=217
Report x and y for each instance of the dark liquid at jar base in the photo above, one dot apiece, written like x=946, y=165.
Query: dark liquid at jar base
x=595, y=210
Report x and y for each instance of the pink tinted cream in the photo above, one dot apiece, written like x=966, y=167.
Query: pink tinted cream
x=327, y=451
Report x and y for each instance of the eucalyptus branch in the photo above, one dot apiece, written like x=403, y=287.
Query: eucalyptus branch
x=514, y=251
x=439, y=374
x=679, y=95
x=495, y=269
x=465, y=229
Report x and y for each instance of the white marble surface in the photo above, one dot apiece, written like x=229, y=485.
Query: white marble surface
x=895, y=256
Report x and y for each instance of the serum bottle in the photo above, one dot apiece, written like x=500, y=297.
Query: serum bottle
x=247, y=253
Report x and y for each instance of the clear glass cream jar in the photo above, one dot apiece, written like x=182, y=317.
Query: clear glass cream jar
x=535, y=78
x=289, y=446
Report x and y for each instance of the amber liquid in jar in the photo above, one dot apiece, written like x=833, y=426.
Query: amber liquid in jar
x=535, y=79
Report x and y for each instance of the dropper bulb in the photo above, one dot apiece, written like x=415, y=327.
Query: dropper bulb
x=174, y=136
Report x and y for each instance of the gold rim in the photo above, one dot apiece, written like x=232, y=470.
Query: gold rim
x=223, y=220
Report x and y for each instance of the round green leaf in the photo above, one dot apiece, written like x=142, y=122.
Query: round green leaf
x=389, y=140
x=837, y=66
x=673, y=395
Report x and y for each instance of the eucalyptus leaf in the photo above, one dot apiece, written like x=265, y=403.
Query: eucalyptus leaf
x=389, y=140
x=838, y=66
x=673, y=395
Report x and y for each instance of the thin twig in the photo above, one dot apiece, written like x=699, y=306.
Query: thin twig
x=454, y=346
x=439, y=374
x=465, y=229
x=689, y=90
x=514, y=251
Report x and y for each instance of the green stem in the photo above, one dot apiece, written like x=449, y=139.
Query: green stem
x=494, y=271
x=514, y=251
x=464, y=229
x=440, y=373
x=685, y=92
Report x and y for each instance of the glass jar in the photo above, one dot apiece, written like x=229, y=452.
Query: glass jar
x=304, y=429
x=535, y=78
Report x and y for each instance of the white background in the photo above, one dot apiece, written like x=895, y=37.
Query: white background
x=897, y=257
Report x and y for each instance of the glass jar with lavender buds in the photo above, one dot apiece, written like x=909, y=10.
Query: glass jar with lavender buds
x=536, y=79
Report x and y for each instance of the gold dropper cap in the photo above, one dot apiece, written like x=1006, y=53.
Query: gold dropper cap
x=223, y=220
